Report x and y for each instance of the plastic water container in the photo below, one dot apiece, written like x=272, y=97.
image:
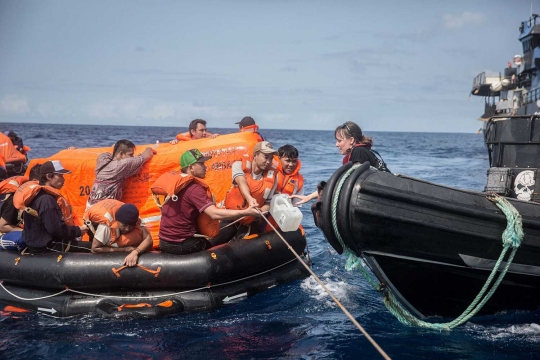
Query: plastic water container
x=286, y=215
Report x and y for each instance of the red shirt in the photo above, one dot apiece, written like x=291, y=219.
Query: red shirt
x=179, y=218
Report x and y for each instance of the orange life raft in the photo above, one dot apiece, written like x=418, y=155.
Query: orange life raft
x=224, y=150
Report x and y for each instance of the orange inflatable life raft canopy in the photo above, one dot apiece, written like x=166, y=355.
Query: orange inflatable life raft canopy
x=224, y=150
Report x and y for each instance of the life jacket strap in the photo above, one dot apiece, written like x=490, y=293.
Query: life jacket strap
x=90, y=226
x=31, y=211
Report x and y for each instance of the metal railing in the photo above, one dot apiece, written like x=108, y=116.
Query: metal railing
x=479, y=79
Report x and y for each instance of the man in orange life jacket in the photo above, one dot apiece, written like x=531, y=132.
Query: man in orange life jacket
x=289, y=179
x=112, y=171
x=179, y=218
x=254, y=184
x=48, y=231
x=119, y=229
x=247, y=124
x=10, y=229
x=196, y=130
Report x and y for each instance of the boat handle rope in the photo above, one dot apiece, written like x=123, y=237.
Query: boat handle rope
x=153, y=272
x=511, y=237
x=33, y=299
x=347, y=313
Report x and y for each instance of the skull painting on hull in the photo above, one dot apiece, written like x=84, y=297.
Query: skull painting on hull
x=524, y=185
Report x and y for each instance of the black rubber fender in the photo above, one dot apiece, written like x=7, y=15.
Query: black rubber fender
x=344, y=205
x=326, y=208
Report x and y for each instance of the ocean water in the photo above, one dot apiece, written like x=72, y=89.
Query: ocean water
x=295, y=320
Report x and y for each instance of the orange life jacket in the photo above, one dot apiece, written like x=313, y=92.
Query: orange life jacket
x=103, y=212
x=259, y=189
x=9, y=152
x=170, y=184
x=254, y=129
x=28, y=191
x=186, y=136
x=291, y=183
x=10, y=185
x=250, y=128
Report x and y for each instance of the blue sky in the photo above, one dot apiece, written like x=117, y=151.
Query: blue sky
x=387, y=65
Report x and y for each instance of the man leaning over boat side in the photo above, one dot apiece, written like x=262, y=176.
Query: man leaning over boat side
x=196, y=130
x=10, y=218
x=117, y=228
x=112, y=171
x=253, y=184
x=179, y=218
x=45, y=227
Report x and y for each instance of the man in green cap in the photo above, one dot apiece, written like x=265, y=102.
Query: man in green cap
x=179, y=218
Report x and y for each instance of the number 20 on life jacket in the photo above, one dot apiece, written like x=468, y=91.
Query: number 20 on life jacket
x=170, y=184
x=103, y=212
x=28, y=191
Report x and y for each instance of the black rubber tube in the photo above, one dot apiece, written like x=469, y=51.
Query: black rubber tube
x=344, y=205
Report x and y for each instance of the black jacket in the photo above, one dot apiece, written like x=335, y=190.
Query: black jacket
x=49, y=226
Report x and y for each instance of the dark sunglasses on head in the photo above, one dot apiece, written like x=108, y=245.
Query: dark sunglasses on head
x=347, y=127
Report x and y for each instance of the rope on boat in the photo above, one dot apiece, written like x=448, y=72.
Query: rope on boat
x=140, y=297
x=511, y=237
x=353, y=320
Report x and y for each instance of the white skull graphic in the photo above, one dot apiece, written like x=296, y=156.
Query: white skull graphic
x=524, y=185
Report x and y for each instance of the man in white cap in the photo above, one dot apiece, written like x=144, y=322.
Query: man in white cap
x=46, y=229
x=254, y=184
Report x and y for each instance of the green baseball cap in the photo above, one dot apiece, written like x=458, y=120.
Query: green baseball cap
x=192, y=156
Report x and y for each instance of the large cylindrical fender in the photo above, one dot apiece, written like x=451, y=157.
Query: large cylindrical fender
x=345, y=215
x=326, y=208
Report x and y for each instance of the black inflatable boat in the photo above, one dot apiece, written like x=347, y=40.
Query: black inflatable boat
x=75, y=283
x=434, y=246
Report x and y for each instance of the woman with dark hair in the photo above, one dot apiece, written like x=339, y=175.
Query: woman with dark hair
x=354, y=145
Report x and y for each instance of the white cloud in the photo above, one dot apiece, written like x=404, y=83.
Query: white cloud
x=451, y=21
x=14, y=105
x=129, y=109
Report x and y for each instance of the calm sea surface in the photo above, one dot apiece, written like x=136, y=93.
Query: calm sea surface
x=296, y=320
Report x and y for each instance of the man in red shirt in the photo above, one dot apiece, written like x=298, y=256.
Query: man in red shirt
x=179, y=218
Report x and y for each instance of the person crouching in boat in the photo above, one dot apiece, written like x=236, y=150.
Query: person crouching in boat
x=117, y=228
x=192, y=201
x=48, y=222
x=196, y=131
x=112, y=171
x=254, y=184
x=10, y=217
